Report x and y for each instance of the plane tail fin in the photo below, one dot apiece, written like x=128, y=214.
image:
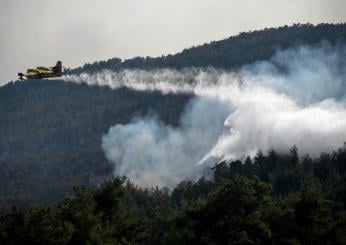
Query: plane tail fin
x=20, y=75
x=59, y=66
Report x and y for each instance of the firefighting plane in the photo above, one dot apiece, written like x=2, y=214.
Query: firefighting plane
x=43, y=72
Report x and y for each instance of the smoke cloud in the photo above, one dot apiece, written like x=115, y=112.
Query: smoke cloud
x=295, y=98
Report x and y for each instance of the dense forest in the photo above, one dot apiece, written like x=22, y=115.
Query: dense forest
x=57, y=187
x=274, y=198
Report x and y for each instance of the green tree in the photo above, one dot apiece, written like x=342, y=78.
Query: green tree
x=313, y=213
x=234, y=214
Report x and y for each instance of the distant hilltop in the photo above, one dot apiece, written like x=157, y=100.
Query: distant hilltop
x=230, y=53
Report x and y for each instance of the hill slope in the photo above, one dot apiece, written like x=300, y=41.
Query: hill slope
x=50, y=131
x=233, y=52
x=51, y=134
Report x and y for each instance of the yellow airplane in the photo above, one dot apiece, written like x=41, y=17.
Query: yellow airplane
x=43, y=72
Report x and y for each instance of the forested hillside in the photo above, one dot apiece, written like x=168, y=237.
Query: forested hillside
x=50, y=130
x=232, y=52
x=51, y=134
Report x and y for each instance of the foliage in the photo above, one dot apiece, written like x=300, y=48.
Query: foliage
x=240, y=206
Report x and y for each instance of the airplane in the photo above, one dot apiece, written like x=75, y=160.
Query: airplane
x=43, y=72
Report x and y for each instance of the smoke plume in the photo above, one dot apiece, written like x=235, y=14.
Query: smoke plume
x=295, y=98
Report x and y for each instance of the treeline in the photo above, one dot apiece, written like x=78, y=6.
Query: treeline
x=230, y=53
x=274, y=198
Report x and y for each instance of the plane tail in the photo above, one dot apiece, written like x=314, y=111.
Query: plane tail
x=20, y=75
x=58, y=66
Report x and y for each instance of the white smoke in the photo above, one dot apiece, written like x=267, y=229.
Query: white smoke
x=296, y=98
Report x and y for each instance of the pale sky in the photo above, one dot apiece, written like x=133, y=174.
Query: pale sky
x=40, y=32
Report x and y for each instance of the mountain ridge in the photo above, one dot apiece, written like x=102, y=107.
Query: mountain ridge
x=232, y=52
x=51, y=130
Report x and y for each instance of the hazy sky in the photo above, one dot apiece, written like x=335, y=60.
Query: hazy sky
x=39, y=32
